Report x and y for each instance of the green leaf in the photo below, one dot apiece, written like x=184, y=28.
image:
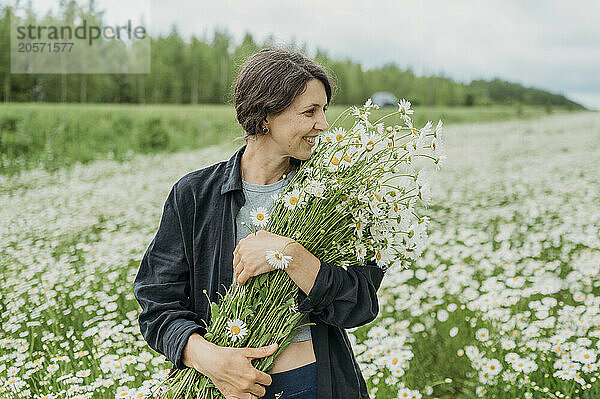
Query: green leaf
x=214, y=311
x=262, y=279
x=247, y=312
x=268, y=362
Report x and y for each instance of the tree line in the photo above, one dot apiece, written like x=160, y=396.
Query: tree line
x=202, y=70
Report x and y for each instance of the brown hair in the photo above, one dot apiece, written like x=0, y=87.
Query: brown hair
x=269, y=81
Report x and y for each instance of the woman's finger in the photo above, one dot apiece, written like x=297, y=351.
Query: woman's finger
x=243, y=276
x=238, y=269
x=236, y=260
x=263, y=378
x=258, y=390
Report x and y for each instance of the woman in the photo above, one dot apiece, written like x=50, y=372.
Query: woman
x=280, y=100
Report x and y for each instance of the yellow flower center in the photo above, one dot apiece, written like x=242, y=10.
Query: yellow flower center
x=335, y=161
x=370, y=145
x=378, y=256
x=293, y=200
x=347, y=158
x=278, y=256
x=338, y=137
x=260, y=216
x=235, y=330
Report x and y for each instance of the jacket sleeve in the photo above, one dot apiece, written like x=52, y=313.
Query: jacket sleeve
x=162, y=288
x=343, y=298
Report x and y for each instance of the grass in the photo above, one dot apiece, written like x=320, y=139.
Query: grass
x=58, y=135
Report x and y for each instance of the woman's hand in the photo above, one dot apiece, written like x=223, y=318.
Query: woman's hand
x=249, y=255
x=229, y=368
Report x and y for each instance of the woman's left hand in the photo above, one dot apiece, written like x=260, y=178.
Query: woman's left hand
x=249, y=255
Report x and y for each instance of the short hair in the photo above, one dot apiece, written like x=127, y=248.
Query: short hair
x=269, y=81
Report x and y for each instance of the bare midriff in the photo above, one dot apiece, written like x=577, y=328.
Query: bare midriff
x=297, y=354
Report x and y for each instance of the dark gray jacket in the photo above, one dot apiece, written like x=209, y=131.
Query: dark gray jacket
x=192, y=251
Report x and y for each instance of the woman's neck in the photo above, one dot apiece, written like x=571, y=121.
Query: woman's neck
x=261, y=166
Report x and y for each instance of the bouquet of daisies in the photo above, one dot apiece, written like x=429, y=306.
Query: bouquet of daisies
x=353, y=200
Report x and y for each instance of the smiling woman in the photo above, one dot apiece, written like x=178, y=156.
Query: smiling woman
x=280, y=101
x=288, y=133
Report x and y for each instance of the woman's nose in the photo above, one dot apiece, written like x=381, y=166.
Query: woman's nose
x=322, y=124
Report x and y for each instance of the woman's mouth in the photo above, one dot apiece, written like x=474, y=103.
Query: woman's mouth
x=310, y=140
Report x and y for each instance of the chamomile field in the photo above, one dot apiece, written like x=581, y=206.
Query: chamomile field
x=504, y=303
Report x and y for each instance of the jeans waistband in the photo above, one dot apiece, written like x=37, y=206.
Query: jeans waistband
x=297, y=380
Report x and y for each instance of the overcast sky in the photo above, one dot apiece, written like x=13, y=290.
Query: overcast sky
x=552, y=45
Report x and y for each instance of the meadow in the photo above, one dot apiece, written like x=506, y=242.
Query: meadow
x=504, y=303
x=53, y=136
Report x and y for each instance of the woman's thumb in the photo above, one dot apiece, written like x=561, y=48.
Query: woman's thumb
x=263, y=351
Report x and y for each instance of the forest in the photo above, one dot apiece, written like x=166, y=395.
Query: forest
x=202, y=69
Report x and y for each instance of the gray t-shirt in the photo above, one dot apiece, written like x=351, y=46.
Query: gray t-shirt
x=258, y=195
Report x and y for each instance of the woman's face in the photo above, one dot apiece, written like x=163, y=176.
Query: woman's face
x=292, y=130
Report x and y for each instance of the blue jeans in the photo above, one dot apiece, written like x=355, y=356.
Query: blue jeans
x=300, y=383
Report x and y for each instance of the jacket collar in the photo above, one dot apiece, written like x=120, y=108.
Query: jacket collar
x=233, y=174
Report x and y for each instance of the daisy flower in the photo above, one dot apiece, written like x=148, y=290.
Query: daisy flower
x=372, y=144
x=334, y=135
x=236, y=329
x=291, y=199
x=404, y=107
x=565, y=374
x=493, y=367
x=316, y=188
x=356, y=112
x=361, y=250
x=437, y=147
x=440, y=161
x=277, y=259
x=83, y=373
x=383, y=256
x=585, y=356
x=52, y=368
x=482, y=334
x=370, y=104
x=259, y=216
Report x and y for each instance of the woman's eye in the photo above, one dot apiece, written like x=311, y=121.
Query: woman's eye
x=310, y=111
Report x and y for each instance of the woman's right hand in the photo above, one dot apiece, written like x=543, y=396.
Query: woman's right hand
x=228, y=368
